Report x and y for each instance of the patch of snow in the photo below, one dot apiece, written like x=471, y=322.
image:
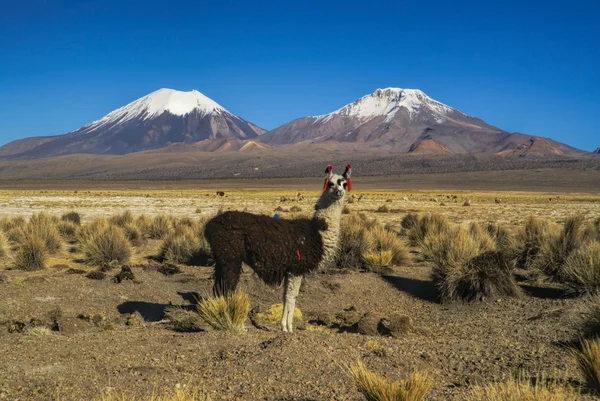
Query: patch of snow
x=153, y=105
x=386, y=102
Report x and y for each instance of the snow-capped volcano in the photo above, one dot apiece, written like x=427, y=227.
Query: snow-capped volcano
x=156, y=103
x=154, y=121
x=387, y=102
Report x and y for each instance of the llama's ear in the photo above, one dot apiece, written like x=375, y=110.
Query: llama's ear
x=329, y=171
x=347, y=172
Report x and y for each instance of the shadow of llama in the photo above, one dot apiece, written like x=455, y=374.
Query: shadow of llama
x=279, y=250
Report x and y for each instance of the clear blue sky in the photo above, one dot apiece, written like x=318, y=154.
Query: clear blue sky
x=531, y=67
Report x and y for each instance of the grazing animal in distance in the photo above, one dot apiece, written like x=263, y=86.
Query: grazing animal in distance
x=279, y=250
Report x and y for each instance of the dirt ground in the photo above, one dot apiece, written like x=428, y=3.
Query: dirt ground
x=115, y=335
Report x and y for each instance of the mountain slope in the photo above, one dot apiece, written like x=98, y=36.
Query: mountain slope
x=398, y=119
x=154, y=121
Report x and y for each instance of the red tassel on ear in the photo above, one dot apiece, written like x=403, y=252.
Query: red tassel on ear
x=326, y=182
x=349, y=182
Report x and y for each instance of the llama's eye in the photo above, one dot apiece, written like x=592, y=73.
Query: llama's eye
x=345, y=185
x=330, y=185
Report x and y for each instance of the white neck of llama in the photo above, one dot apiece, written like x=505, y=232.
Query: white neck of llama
x=331, y=211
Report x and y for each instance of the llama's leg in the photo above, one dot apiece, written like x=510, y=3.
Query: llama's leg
x=290, y=293
x=227, y=275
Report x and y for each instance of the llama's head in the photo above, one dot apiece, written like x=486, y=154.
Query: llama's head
x=337, y=185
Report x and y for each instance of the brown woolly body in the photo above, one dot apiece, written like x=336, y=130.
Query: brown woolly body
x=271, y=247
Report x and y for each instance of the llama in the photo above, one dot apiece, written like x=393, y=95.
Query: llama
x=279, y=250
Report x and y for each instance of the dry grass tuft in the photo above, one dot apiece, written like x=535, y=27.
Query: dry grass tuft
x=385, y=246
x=105, y=246
x=160, y=227
x=557, y=248
x=530, y=239
x=31, y=253
x=67, y=229
x=432, y=224
x=72, y=217
x=274, y=314
x=581, y=270
x=520, y=390
x=366, y=244
x=179, y=247
x=589, y=326
x=410, y=220
x=41, y=226
x=226, y=313
x=377, y=388
x=3, y=245
x=382, y=209
x=464, y=269
x=122, y=219
x=588, y=362
x=133, y=234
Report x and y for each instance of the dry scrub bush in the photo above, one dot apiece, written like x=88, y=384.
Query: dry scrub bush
x=365, y=243
x=42, y=226
x=67, y=229
x=143, y=223
x=482, y=236
x=31, y=253
x=3, y=245
x=530, y=239
x=72, y=217
x=410, y=220
x=384, y=248
x=134, y=234
x=521, y=390
x=226, y=313
x=179, y=247
x=463, y=269
x=588, y=362
x=377, y=388
x=557, y=248
x=432, y=224
x=160, y=227
x=122, y=219
x=589, y=325
x=105, y=247
x=581, y=271
x=382, y=209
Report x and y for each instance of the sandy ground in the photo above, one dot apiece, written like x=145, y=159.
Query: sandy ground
x=128, y=346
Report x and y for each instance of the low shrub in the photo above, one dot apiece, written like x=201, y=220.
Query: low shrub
x=105, y=247
x=226, y=313
x=521, y=390
x=3, y=245
x=382, y=209
x=67, y=229
x=530, y=239
x=376, y=388
x=31, y=253
x=589, y=325
x=588, y=362
x=179, y=247
x=43, y=226
x=410, y=220
x=133, y=234
x=72, y=217
x=160, y=227
x=432, y=224
x=382, y=242
x=122, y=219
x=581, y=270
x=557, y=248
x=462, y=268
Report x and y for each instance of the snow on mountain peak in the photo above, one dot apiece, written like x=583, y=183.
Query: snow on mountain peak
x=156, y=103
x=387, y=102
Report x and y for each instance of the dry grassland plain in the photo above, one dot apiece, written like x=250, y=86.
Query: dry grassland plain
x=116, y=338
